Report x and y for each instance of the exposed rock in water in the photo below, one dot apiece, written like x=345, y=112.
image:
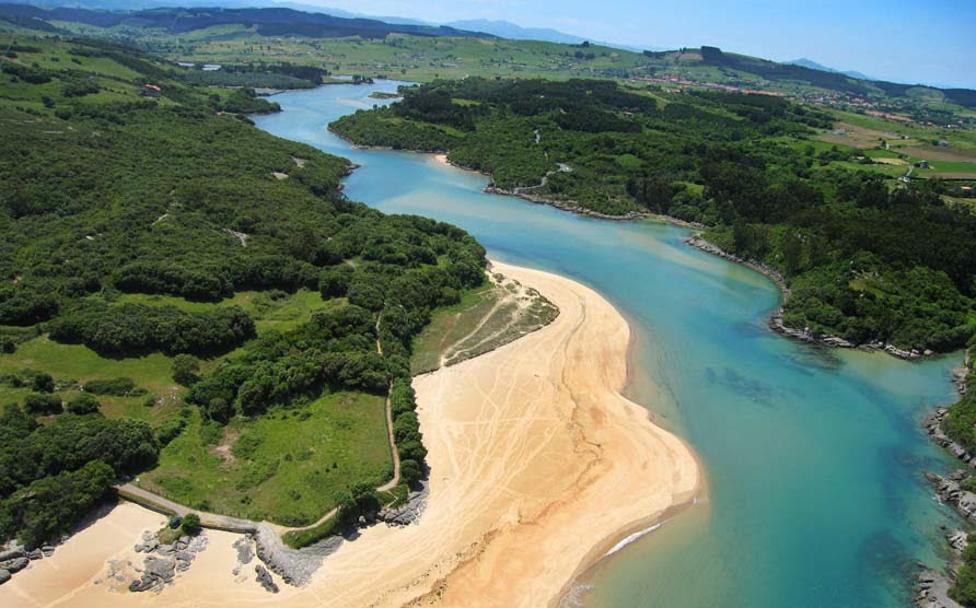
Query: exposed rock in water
x=264, y=577
x=933, y=425
x=949, y=492
x=933, y=587
x=958, y=540
x=4, y=576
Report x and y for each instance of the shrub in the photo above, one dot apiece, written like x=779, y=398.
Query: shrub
x=402, y=397
x=191, y=524
x=334, y=282
x=171, y=428
x=412, y=450
x=43, y=383
x=410, y=472
x=42, y=404
x=186, y=369
x=119, y=387
x=211, y=433
x=132, y=329
x=83, y=404
x=964, y=589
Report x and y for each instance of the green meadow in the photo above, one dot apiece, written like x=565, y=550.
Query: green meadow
x=286, y=466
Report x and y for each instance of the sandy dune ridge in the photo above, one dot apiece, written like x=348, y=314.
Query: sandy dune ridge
x=538, y=466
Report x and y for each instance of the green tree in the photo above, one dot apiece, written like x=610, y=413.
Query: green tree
x=43, y=383
x=83, y=404
x=792, y=250
x=410, y=472
x=41, y=404
x=7, y=345
x=186, y=369
x=191, y=524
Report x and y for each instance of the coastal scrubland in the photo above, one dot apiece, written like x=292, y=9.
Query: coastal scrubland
x=189, y=299
x=488, y=317
x=869, y=259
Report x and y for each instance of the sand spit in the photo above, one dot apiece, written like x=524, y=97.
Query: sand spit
x=538, y=467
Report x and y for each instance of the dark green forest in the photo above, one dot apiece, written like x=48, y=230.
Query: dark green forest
x=868, y=259
x=176, y=193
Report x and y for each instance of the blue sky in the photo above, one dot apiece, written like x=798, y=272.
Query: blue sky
x=932, y=41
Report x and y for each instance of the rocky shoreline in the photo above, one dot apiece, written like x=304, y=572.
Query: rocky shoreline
x=563, y=206
x=932, y=587
x=162, y=563
x=296, y=566
x=13, y=559
x=776, y=322
x=491, y=188
x=955, y=490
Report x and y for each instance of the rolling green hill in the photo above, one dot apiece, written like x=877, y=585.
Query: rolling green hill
x=424, y=53
x=263, y=21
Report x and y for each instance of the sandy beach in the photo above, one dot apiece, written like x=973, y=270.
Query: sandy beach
x=538, y=466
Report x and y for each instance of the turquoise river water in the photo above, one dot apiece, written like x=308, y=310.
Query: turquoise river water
x=813, y=458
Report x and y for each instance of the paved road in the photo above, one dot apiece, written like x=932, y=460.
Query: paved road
x=158, y=503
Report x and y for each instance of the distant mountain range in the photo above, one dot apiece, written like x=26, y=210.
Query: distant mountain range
x=507, y=29
x=813, y=65
x=513, y=31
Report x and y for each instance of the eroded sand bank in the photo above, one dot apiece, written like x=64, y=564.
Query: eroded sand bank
x=538, y=466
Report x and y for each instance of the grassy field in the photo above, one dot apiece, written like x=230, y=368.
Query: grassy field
x=286, y=466
x=909, y=143
x=72, y=365
x=408, y=57
x=117, y=82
